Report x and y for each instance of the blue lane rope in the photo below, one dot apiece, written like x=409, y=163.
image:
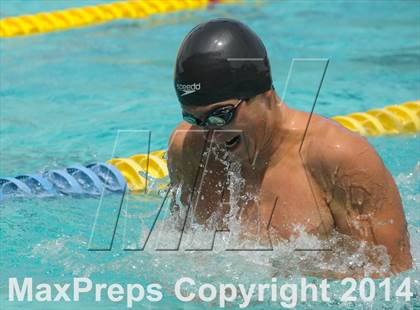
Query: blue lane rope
x=65, y=182
x=110, y=176
x=38, y=185
x=89, y=181
x=77, y=180
x=13, y=186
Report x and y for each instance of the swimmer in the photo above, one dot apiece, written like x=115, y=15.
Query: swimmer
x=333, y=181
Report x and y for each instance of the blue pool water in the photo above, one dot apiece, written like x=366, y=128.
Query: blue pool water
x=65, y=95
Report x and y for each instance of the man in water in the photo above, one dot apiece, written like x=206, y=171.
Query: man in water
x=322, y=177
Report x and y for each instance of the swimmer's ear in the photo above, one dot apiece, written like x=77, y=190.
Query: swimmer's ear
x=271, y=93
x=269, y=96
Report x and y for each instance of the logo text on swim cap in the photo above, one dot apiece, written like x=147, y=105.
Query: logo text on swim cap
x=188, y=88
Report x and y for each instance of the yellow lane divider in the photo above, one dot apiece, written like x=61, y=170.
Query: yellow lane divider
x=90, y=15
x=391, y=120
x=134, y=169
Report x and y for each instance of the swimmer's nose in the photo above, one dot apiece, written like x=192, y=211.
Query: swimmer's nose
x=221, y=137
x=207, y=133
x=211, y=136
x=217, y=136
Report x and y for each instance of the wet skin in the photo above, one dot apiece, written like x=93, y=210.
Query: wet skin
x=334, y=180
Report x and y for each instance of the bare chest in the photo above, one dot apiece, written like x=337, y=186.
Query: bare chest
x=285, y=198
x=292, y=201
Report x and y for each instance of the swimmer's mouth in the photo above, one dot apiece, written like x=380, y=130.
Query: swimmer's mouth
x=233, y=142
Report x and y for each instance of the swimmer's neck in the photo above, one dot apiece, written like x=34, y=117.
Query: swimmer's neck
x=276, y=131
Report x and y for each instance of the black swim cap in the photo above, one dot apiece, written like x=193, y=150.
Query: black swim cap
x=219, y=60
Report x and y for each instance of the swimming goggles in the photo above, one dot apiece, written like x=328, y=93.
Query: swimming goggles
x=217, y=118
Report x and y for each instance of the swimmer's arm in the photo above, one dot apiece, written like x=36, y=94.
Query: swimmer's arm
x=179, y=169
x=360, y=193
x=364, y=198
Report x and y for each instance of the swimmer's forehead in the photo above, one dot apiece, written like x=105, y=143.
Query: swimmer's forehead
x=203, y=110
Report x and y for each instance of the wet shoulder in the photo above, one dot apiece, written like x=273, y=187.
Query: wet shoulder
x=329, y=143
